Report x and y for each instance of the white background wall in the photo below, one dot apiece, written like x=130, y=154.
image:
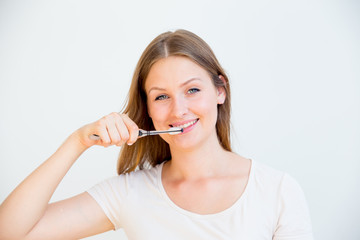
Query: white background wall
x=294, y=68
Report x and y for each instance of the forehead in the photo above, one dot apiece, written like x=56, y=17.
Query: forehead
x=174, y=70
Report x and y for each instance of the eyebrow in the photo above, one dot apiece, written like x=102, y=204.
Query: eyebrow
x=181, y=85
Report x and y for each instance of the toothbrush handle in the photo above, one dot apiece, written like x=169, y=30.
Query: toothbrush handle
x=141, y=133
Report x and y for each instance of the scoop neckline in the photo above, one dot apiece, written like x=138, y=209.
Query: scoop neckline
x=198, y=215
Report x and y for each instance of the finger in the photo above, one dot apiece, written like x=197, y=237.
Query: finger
x=132, y=128
x=104, y=136
x=102, y=132
x=123, y=131
x=112, y=129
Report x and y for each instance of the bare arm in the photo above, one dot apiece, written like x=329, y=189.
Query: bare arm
x=26, y=214
x=73, y=218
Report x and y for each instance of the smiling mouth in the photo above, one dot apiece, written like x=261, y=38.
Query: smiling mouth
x=186, y=124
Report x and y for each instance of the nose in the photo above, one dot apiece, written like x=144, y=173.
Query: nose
x=179, y=107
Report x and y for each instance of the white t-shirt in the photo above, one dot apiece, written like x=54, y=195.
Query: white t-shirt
x=272, y=206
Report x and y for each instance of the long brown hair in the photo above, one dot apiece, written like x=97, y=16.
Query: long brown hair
x=154, y=150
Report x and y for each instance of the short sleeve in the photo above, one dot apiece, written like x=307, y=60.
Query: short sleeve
x=111, y=194
x=294, y=219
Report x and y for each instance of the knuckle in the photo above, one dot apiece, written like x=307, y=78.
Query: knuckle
x=125, y=137
x=134, y=127
x=114, y=114
x=119, y=143
x=107, y=117
x=101, y=122
x=115, y=140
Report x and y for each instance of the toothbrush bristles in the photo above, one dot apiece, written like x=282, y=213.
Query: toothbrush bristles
x=175, y=130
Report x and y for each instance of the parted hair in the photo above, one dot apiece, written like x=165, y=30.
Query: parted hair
x=150, y=151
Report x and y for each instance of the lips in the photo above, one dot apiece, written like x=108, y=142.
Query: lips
x=185, y=125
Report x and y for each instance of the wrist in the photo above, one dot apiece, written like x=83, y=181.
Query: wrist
x=75, y=141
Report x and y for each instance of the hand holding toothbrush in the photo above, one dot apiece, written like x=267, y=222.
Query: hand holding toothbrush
x=115, y=129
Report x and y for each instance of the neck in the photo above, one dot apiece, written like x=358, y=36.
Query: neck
x=198, y=162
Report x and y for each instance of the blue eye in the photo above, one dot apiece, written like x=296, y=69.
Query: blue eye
x=161, y=97
x=193, y=90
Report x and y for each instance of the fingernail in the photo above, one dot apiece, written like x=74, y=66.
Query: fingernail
x=129, y=143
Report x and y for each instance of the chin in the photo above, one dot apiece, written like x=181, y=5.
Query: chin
x=188, y=142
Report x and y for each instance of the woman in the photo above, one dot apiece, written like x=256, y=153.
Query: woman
x=186, y=186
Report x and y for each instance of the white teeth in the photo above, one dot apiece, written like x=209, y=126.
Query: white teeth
x=186, y=124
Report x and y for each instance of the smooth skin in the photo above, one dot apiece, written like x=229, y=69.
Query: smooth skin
x=178, y=91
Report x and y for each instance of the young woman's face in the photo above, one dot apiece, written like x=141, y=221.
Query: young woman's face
x=180, y=93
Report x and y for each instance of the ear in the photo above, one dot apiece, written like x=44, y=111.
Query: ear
x=221, y=94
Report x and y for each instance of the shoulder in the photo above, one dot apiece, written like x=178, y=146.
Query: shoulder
x=123, y=184
x=289, y=205
x=264, y=174
x=273, y=180
x=119, y=196
x=149, y=175
x=279, y=186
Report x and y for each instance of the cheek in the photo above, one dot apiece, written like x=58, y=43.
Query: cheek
x=158, y=114
x=205, y=106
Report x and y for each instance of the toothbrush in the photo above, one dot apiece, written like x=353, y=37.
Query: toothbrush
x=143, y=133
x=171, y=131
